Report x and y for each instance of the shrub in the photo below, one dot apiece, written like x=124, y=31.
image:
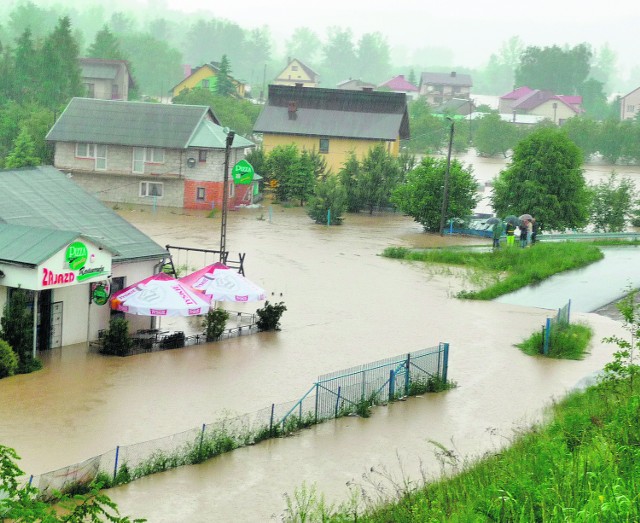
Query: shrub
x=17, y=330
x=214, y=323
x=8, y=360
x=116, y=340
x=269, y=316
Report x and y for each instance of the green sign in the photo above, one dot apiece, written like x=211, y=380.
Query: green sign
x=76, y=255
x=100, y=292
x=242, y=173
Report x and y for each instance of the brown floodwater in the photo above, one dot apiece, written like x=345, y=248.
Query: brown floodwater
x=346, y=305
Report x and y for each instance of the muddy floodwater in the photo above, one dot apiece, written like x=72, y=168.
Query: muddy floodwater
x=346, y=305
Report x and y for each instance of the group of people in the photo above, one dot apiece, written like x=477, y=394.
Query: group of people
x=528, y=233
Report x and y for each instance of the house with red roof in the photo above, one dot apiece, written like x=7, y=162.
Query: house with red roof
x=537, y=102
x=398, y=84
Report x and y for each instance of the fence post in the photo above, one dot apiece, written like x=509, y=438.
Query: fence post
x=201, y=441
x=364, y=380
x=115, y=466
x=569, y=312
x=317, y=398
x=337, y=401
x=547, y=335
x=392, y=384
x=30, y=479
x=273, y=406
x=445, y=363
x=407, y=364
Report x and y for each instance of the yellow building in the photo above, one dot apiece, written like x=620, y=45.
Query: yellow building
x=297, y=73
x=205, y=77
x=333, y=122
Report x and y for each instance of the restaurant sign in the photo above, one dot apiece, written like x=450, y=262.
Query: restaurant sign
x=79, y=262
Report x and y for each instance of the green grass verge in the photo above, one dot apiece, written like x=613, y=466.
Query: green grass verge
x=513, y=268
x=566, y=342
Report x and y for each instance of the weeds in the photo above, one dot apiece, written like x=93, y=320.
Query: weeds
x=566, y=341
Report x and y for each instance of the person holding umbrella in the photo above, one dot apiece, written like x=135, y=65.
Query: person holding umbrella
x=510, y=230
x=525, y=228
x=497, y=230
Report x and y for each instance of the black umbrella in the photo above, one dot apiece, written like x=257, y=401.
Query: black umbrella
x=512, y=219
x=492, y=220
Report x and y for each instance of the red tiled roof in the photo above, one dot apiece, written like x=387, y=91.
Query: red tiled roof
x=399, y=84
x=517, y=94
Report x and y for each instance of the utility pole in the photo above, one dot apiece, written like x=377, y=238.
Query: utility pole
x=225, y=195
x=445, y=192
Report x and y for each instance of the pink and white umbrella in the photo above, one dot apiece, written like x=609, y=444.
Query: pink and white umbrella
x=161, y=295
x=224, y=284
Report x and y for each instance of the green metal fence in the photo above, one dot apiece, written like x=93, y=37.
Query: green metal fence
x=563, y=318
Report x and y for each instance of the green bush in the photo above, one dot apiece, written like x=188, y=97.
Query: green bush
x=269, y=316
x=565, y=342
x=214, y=323
x=8, y=360
x=116, y=340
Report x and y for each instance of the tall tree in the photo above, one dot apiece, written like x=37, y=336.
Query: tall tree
x=281, y=167
x=348, y=176
x=105, y=46
x=492, y=135
x=224, y=85
x=23, y=152
x=583, y=131
x=304, y=45
x=612, y=204
x=373, y=58
x=379, y=175
x=545, y=179
x=421, y=195
x=25, y=76
x=340, y=60
x=562, y=71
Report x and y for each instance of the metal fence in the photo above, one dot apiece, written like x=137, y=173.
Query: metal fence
x=563, y=318
x=333, y=395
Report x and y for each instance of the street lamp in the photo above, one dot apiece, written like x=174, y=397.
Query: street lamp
x=445, y=192
x=225, y=194
x=555, y=108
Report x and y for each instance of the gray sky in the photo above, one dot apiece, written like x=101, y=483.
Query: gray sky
x=472, y=30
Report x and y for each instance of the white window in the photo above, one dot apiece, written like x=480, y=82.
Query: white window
x=101, y=157
x=151, y=189
x=155, y=155
x=200, y=194
x=85, y=150
x=138, y=160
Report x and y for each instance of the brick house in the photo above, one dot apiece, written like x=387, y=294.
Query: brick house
x=438, y=88
x=148, y=153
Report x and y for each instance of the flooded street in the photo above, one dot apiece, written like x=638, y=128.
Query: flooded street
x=346, y=305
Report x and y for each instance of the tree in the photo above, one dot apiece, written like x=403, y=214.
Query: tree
x=329, y=201
x=281, y=166
x=348, y=177
x=302, y=180
x=105, y=46
x=224, y=85
x=373, y=57
x=340, y=59
x=492, y=135
x=23, y=152
x=379, y=175
x=562, y=71
x=428, y=134
x=545, y=179
x=22, y=502
x=422, y=193
x=304, y=45
x=16, y=328
x=612, y=204
x=583, y=131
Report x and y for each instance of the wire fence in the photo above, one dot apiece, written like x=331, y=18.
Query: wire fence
x=562, y=319
x=332, y=396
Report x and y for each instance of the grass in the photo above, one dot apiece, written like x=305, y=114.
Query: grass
x=580, y=466
x=565, y=342
x=512, y=268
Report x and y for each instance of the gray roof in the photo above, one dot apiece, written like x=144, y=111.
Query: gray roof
x=44, y=197
x=453, y=78
x=136, y=124
x=31, y=245
x=367, y=115
x=210, y=135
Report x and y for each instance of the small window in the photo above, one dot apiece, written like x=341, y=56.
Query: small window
x=200, y=194
x=138, y=160
x=155, y=155
x=631, y=108
x=324, y=145
x=85, y=150
x=151, y=189
x=294, y=67
x=202, y=155
x=101, y=157
x=205, y=84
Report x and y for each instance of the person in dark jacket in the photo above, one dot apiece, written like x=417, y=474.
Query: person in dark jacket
x=523, y=233
x=534, y=231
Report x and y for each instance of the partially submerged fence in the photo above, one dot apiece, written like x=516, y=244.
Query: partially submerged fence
x=333, y=395
x=562, y=319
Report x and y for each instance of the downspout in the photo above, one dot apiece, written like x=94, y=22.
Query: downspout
x=36, y=294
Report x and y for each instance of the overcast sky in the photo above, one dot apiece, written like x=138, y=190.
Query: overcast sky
x=472, y=30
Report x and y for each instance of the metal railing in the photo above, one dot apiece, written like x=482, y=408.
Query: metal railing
x=562, y=319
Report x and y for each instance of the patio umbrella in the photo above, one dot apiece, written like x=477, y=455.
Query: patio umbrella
x=526, y=217
x=492, y=220
x=221, y=283
x=161, y=295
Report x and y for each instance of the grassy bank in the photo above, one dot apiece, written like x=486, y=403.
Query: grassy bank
x=508, y=269
x=566, y=342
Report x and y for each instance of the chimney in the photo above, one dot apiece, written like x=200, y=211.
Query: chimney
x=293, y=109
x=187, y=70
x=453, y=74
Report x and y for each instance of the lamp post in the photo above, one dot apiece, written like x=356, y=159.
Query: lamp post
x=445, y=192
x=555, y=109
x=225, y=195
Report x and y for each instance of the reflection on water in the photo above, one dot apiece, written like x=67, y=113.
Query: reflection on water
x=346, y=305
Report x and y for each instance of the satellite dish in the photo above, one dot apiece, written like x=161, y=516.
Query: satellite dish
x=191, y=162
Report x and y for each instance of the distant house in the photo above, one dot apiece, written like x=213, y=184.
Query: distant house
x=147, y=153
x=630, y=105
x=333, y=122
x=398, y=84
x=536, y=102
x=437, y=88
x=106, y=79
x=356, y=85
x=456, y=106
x=297, y=73
x=205, y=77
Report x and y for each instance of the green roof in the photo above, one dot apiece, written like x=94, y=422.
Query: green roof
x=44, y=197
x=31, y=245
x=135, y=124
